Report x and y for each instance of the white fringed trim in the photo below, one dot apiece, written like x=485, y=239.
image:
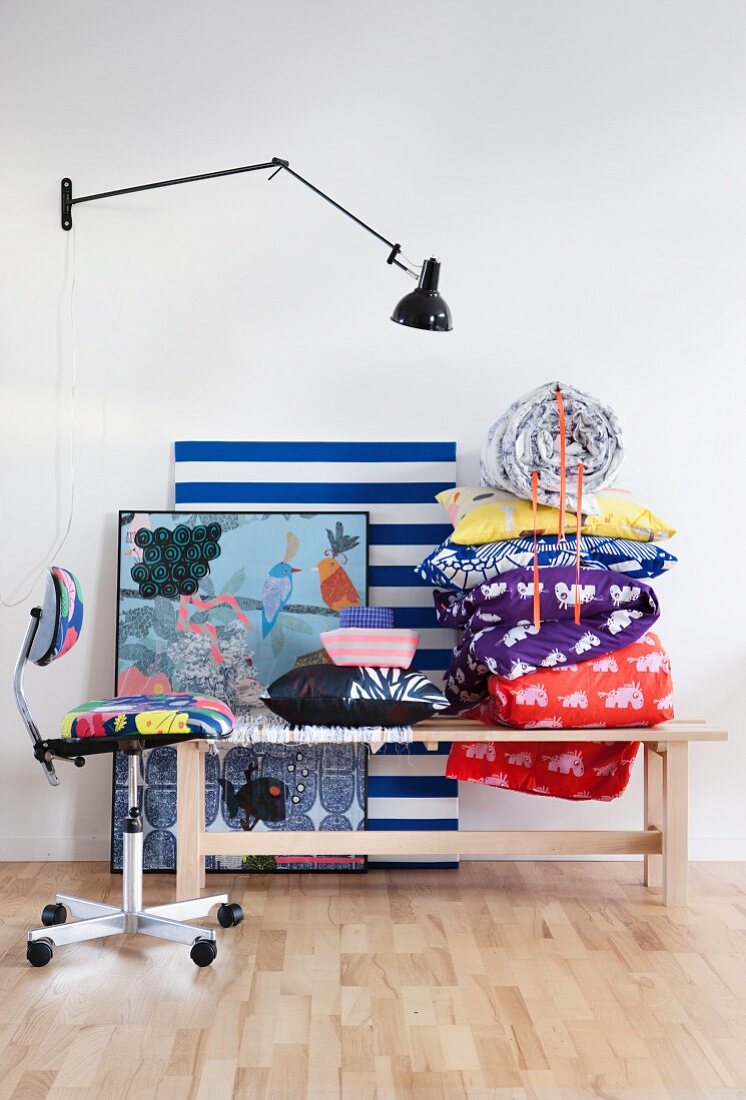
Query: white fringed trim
x=256, y=729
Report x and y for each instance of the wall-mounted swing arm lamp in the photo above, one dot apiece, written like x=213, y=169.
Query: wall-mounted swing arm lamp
x=423, y=308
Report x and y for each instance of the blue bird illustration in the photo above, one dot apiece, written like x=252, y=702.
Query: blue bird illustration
x=278, y=585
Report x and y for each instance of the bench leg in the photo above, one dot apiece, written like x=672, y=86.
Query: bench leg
x=190, y=819
x=676, y=824
x=653, y=874
x=201, y=767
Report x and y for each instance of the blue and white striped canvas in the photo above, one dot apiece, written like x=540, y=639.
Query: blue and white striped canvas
x=396, y=482
x=407, y=789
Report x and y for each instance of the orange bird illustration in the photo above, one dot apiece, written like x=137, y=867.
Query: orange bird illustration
x=337, y=590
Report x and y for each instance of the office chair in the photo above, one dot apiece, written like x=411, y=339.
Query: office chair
x=130, y=723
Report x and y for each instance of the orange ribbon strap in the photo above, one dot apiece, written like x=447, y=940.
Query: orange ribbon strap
x=563, y=446
x=535, y=502
x=578, y=526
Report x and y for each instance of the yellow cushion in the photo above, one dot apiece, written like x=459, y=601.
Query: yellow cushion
x=481, y=515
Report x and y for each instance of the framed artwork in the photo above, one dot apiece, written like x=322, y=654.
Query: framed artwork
x=221, y=604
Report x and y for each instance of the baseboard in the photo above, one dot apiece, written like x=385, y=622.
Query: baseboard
x=56, y=849
x=38, y=849
x=713, y=849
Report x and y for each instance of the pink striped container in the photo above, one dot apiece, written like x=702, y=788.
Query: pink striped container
x=370, y=647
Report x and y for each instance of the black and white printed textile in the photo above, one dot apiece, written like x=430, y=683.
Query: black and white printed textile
x=329, y=695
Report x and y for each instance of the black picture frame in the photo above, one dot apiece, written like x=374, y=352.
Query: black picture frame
x=222, y=512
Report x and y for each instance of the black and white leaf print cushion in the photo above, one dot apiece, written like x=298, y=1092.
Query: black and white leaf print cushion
x=329, y=695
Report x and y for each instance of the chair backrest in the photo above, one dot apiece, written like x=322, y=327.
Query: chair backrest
x=61, y=619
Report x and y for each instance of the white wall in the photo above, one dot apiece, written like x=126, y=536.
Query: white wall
x=579, y=167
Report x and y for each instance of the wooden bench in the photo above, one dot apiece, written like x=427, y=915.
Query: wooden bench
x=663, y=841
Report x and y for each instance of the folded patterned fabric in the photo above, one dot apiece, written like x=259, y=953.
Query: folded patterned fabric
x=527, y=438
x=500, y=637
x=377, y=618
x=560, y=769
x=352, y=646
x=451, y=565
x=631, y=687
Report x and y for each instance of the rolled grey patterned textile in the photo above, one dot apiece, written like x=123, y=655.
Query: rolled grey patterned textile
x=527, y=438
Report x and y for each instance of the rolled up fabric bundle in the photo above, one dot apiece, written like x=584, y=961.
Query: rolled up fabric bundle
x=527, y=438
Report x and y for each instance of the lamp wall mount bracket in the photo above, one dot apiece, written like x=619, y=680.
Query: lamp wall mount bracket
x=66, y=203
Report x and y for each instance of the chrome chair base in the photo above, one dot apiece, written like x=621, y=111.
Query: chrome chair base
x=161, y=921
x=164, y=922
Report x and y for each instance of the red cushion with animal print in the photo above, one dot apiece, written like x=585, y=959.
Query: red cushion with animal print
x=631, y=687
x=558, y=769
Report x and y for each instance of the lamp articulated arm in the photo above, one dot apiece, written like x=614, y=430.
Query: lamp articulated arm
x=424, y=308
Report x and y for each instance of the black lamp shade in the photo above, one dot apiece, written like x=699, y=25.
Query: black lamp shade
x=424, y=307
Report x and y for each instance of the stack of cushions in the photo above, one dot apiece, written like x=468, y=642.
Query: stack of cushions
x=608, y=670
x=368, y=685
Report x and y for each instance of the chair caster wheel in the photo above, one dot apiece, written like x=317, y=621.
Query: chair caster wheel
x=39, y=952
x=54, y=914
x=203, y=952
x=229, y=915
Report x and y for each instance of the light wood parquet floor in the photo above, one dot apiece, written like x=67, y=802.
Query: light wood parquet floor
x=519, y=980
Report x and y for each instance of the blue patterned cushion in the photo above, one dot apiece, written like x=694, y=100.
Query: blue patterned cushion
x=463, y=567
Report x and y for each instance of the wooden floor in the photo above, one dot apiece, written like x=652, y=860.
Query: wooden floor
x=498, y=980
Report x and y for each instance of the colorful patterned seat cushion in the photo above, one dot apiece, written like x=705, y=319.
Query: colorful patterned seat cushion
x=149, y=716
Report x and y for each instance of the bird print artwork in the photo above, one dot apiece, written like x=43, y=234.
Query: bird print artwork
x=278, y=585
x=337, y=590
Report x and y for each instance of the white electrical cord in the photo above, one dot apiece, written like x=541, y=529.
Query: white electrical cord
x=57, y=542
x=413, y=268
